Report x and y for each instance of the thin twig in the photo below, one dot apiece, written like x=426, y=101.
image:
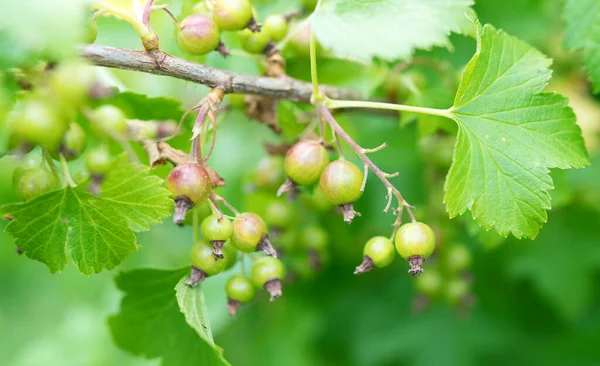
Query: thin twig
x=218, y=198
x=361, y=152
x=229, y=82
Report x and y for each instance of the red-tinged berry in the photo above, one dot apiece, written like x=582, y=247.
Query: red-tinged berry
x=73, y=143
x=250, y=234
x=108, y=121
x=203, y=263
x=341, y=183
x=199, y=35
x=276, y=26
x=415, y=242
x=378, y=252
x=304, y=162
x=267, y=273
x=36, y=122
x=35, y=182
x=279, y=214
x=217, y=230
x=233, y=15
x=239, y=290
x=270, y=173
x=190, y=185
x=254, y=43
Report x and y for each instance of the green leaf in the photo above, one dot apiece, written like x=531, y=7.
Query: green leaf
x=97, y=232
x=150, y=322
x=509, y=135
x=387, y=29
x=582, y=32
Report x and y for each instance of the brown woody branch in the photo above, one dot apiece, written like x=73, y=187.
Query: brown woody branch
x=160, y=63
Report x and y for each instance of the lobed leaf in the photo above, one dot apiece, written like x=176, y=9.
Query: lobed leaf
x=509, y=135
x=97, y=232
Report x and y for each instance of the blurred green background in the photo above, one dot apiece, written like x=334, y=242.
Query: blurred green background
x=533, y=302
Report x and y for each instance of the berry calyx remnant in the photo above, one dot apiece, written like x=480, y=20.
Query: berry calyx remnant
x=34, y=182
x=378, y=252
x=250, y=234
x=341, y=183
x=203, y=263
x=199, y=35
x=304, y=162
x=267, y=273
x=190, y=185
x=216, y=230
x=415, y=242
x=239, y=290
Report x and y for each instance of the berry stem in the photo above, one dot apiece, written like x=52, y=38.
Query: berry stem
x=48, y=159
x=392, y=191
x=313, y=67
x=65, y=169
x=218, y=198
x=333, y=104
x=215, y=209
x=172, y=17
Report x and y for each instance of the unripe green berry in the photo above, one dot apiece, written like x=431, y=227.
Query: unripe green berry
x=203, y=263
x=189, y=184
x=98, y=160
x=198, y=35
x=254, y=43
x=267, y=273
x=415, y=242
x=456, y=290
x=305, y=161
x=250, y=234
x=73, y=143
x=280, y=213
x=107, y=121
x=232, y=15
x=429, y=283
x=38, y=123
x=269, y=173
x=239, y=288
x=314, y=237
x=341, y=182
x=381, y=251
x=378, y=252
x=317, y=200
x=458, y=258
x=28, y=163
x=71, y=83
x=276, y=26
x=35, y=182
x=214, y=229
